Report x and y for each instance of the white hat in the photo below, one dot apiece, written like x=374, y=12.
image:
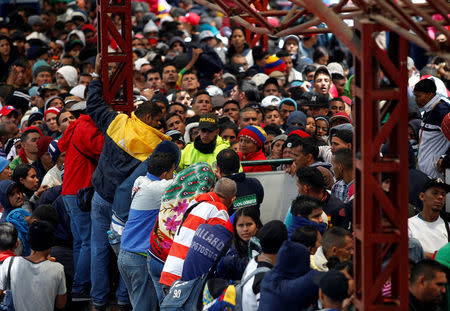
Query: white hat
x=78, y=106
x=270, y=100
x=150, y=27
x=213, y=90
x=260, y=78
x=205, y=34
x=138, y=63
x=335, y=68
x=79, y=14
x=78, y=90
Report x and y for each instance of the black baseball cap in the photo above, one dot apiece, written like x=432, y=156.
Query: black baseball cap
x=333, y=284
x=208, y=122
x=318, y=100
x=436, y=183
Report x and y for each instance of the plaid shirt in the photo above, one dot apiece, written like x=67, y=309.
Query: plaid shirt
x=340, y=190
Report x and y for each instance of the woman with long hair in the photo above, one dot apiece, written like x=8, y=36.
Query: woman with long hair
x=8, y=55
x=246, y=224
x=26, y=177
x=239, y=46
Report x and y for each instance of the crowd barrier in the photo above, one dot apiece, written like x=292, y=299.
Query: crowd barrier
x=279, y=191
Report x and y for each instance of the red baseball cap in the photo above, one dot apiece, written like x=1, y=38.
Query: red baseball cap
x=6, y=110
x=341, y=115
x=299, y=133
x=190, y=18
x=32, y=129
x=51, y=110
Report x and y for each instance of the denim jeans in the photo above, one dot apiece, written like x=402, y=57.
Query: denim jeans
x=100, y=248
x=154, y=269
x=133, y=269
x=80, y=224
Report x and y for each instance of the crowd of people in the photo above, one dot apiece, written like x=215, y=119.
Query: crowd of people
x=136, y=210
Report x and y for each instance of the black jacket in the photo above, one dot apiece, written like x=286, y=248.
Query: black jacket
x=250, y=192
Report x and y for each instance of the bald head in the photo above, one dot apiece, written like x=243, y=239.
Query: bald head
x=226, y=190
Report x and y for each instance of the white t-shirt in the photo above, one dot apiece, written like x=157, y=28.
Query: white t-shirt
x=52, y=178
x=250, y=301
x=34, y=285
x=432, y=235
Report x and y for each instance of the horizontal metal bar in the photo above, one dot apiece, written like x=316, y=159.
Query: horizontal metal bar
x=267, y=162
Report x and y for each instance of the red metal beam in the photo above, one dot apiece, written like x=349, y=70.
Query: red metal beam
x=333, y=21
x=373, y=208
x=118, y=84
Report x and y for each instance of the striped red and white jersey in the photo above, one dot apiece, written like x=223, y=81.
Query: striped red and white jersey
x=212, y=211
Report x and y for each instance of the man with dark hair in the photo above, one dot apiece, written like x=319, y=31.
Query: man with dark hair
x=231, y=109
x=206, y=146
x=318, y=105
x=333, y=290
x=306, y=211
x=259, y=57
x=339, y=81
x=341, y=136
x=322, y=81
x=63, y=120
x=291, y=73
x=245, y=92
x=247, y=116
x=145, y=204
x=162, y=102
x=85, y=79
x=123, y=151
x=336, y=242
x=271, y=87
x=29, y=151
x=249, y=192
x=310, y=182
x=286, y=106
x=175, y=122
x=153, y=79
x=82, y=139
x=271, y=237
x=7, y=130
x=201, y=103
x=189, y=83
x=9, y=114
x=426, y=285
x=342, y=162
x=428, y=226
x=169, y=78
x=8, y=240
x=304, y=152
x=36, y=272
x=433, y=142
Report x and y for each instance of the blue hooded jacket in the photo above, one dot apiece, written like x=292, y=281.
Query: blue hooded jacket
x=5, y=187
x=289, y=285
x=299, y=221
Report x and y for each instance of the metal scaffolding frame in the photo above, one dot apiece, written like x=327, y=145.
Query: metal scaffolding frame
x=115, y=47
x=380, y=220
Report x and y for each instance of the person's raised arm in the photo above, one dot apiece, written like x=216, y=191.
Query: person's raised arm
x=96, y=107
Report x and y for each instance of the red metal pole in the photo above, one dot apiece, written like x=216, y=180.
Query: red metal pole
x=380, y=220
x=117, y=83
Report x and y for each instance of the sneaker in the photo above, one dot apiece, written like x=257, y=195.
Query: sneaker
x=126, y=307
x=80, y=297
x=99, y=308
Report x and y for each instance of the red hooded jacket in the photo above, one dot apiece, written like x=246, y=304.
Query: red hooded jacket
x=83, y=135
x=255, y=156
